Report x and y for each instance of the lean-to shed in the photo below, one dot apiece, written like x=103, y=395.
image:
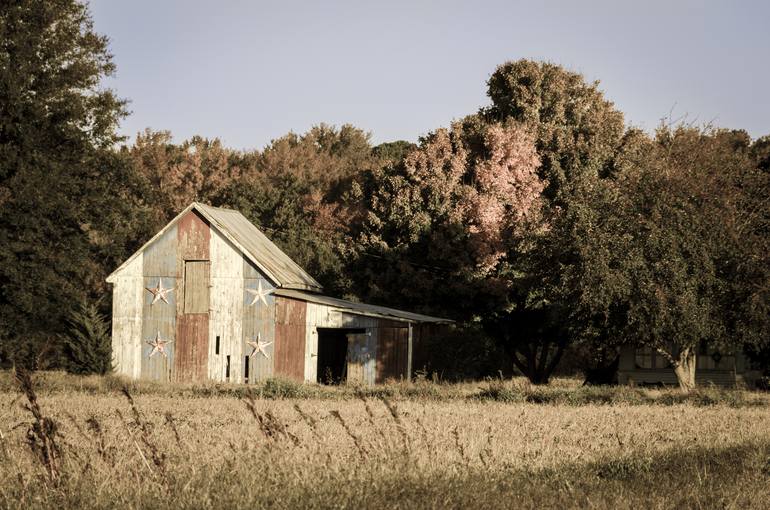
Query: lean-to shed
x=210, y=297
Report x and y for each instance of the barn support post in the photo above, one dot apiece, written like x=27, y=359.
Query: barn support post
x=409, y=353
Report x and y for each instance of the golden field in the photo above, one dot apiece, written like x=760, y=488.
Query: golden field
x=281, y=445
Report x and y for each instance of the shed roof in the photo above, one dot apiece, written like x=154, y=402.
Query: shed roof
x=360, y=308
x=255, y=245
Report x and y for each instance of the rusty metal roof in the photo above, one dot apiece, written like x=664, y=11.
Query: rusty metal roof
x=269, y=258
x=360, y=308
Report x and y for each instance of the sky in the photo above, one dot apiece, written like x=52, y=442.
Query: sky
x=247, y=72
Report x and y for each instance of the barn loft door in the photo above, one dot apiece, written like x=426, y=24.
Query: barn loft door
x=193, y=324
x=196, y=286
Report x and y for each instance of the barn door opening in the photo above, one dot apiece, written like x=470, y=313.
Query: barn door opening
x=191, y=360
x=334, y=354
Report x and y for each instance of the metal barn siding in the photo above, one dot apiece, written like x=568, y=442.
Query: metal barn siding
x=159, y=318
x=127, y=339
x=392, y=351
x=258, y=325
x=192, y=339
x=210, y=297
x=290, y=324
x=227, y=308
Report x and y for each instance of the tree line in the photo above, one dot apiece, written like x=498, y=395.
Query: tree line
x=541, y=223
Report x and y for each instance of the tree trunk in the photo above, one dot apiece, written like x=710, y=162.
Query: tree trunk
x=684, y=368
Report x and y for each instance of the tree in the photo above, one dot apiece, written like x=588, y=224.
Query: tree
x=578, y=134
x=171, y=176
x=672, y=253
x=56, y=123
x=303, y=190
x=577, y=130
x=437, y=225
x=88, y=343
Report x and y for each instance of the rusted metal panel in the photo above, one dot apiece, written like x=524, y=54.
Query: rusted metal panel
x=192, y=329
x=194, y=237
x=196, y=286
x=191, y=349
x=226, y=307
x=290, y=324
x=392, y=352
x=258, y=304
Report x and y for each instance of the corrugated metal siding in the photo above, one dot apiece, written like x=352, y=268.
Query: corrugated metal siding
x=290, y=325
x=127, y=300
x=392, y=351
x=258, y=318
x=261, y=249
x=425, y=338
x=192, y=331
x=225, y=319
x=191, y=356
x=160, y=263
x=358, y=357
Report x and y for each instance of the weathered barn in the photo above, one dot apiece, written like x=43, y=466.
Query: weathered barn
x=210, y=297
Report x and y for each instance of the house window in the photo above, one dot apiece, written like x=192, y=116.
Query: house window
x=712, y=359
x=644, y=357
x=647, y=357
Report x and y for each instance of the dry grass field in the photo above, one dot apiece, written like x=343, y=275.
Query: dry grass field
x=282, y=445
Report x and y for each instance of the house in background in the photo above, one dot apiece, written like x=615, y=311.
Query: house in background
x=644, y=366
x=210, y=297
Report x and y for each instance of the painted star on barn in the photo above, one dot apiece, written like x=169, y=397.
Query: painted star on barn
x=258, y=346
x=158, y=345
x=260, y=294
x=159, y=293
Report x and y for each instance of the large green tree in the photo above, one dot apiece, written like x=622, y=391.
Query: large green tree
x=673, y=249
x=56, y=123
x=578, y=133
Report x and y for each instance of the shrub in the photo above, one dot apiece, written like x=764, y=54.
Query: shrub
x=87, y=344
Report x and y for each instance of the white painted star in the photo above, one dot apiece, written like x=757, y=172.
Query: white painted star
x=259, y=294
x=158, y=345
x=159, y=292
x=258, y=346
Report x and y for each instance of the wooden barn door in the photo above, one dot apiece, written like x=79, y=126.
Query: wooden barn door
x=190, y=362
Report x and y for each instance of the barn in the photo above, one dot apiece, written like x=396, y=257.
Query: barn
x=211, y=298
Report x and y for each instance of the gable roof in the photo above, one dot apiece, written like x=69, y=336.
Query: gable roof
x=269, y=258
x=360, y=308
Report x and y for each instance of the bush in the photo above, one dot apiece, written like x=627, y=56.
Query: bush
x=87, y=344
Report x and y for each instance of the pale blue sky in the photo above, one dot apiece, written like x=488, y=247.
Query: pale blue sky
x=248, y=72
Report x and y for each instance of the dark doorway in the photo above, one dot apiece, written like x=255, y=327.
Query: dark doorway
x=333, y=354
